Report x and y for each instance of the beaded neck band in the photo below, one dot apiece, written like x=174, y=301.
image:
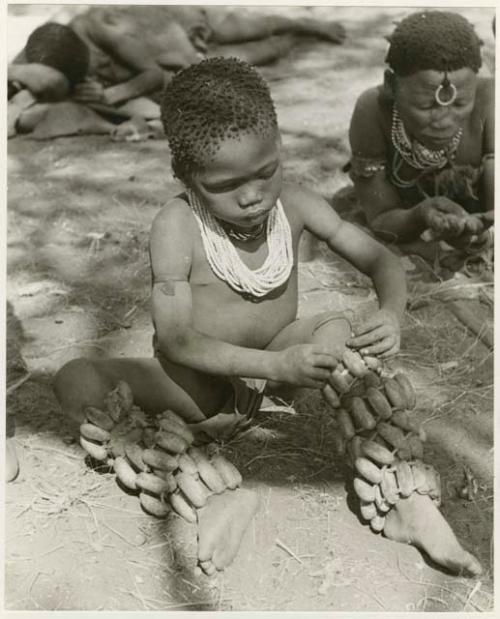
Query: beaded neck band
x=245, y=237
x=228, y=266
x=416, y=154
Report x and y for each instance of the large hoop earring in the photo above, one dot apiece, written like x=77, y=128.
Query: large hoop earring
x=451, y=99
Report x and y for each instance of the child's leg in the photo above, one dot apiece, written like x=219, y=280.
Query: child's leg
x=331, y=329
x=85, y=382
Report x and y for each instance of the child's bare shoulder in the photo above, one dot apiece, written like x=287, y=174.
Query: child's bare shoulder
x=176, y=216
x=173, y=226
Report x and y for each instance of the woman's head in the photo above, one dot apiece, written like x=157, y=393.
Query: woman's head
x=438, y=40
x=434, y=57
x=207, y=103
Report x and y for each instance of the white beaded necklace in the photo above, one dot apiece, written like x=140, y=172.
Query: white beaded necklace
x=228, y=266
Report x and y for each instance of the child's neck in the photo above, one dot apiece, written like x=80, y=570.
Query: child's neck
x=244, y=234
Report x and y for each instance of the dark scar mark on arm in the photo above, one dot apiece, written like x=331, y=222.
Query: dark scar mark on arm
x=167, y=288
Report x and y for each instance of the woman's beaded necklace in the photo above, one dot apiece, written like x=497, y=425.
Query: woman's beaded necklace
x=228, y=266
x=416, y=154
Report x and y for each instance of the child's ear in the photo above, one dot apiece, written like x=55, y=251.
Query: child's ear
x=389, y=83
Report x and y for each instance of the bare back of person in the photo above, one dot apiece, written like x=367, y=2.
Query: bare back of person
x=151, y=31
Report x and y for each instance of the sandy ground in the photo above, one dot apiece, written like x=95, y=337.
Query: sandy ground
x=79, y=214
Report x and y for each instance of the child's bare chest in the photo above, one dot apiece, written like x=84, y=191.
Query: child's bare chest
x=221, y=311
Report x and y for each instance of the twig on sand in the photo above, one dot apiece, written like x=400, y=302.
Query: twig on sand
x=58, y=451
x=475, y=589
x=31, y=588
x=426, y=583
x=137, y=597
x=139, y=594
x=286, y=549
x=421, y=604
x=120, y=535
x=17, y=384
x=370, y=594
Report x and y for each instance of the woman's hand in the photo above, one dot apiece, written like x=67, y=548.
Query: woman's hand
x=445, y=218
x=379, y=336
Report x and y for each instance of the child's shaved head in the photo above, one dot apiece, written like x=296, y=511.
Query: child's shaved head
x=209, y=102
x=437, y=40
x=57, y=46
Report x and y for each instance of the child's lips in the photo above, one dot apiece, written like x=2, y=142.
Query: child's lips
x=261, y=214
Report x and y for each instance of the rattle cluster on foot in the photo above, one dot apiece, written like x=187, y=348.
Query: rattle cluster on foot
x=399, y=494
x=155, y=457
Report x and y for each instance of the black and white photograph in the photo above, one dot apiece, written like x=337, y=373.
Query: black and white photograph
x=249, y=292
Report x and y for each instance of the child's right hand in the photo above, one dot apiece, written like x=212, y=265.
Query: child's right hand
x=305, y=365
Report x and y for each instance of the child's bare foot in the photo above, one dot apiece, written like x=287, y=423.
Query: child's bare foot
x=11, y=461
x=221, y=525
x=416, y=520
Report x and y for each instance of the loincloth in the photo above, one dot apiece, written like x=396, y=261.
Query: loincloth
x=236, y=415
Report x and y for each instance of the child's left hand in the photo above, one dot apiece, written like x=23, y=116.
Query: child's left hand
x=378, y=336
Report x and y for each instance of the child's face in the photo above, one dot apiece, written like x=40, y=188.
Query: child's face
x=424, y=118
x=242, y=182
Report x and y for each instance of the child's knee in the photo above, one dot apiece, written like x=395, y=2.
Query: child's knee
x=332, y=330
x=79, y=384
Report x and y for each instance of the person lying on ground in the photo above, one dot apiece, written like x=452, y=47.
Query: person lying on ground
x=423, y=141
x=108, y=56
x=225, y=294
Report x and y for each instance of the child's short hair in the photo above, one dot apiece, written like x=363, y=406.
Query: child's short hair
x=438, y=40
x=211, y=101
x=59, y=47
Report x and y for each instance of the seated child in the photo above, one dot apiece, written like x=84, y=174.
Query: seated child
x=112, y=55
x=224, y=297
x=423, y=142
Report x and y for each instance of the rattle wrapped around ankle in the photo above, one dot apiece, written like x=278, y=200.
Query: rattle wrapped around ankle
x=155, y=457
x=382, y=440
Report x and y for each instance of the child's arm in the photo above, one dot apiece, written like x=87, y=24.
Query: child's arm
x=380, y=335
x=172, y=237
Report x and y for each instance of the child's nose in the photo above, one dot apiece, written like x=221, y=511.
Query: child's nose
x=250, y=196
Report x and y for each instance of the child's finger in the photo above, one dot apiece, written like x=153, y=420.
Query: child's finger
x=390, y=352
x=369, y=338
x=378, y=348
x=208, y=567
x=325, y=360
x=339, y=382
x=321, y=374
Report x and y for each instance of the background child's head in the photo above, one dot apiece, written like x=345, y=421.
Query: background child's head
x=210, y=102
x=437, y=40
x=57, y=46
